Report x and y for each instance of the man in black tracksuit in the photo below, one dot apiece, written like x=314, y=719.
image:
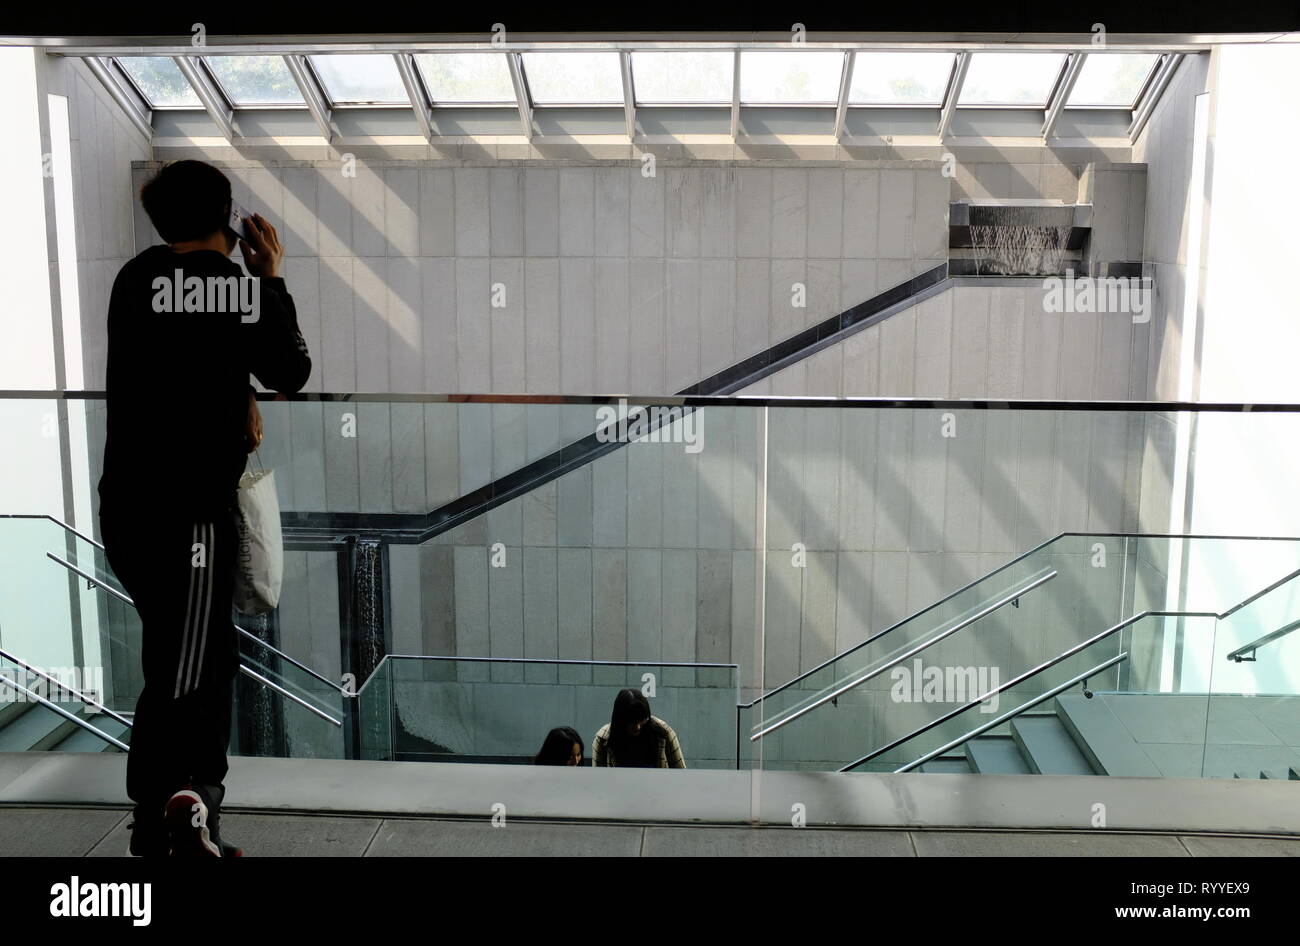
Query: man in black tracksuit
x=183, y=337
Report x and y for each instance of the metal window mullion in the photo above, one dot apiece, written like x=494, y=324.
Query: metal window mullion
x=1056, y=105
x=954, y=93
x=735, y=96
x=842, y=103
x=420, y=103
x=213, y=100
x=1147, y=107
x=629, y=94
x=515, y=63
x=103, y=71
x=312, y=94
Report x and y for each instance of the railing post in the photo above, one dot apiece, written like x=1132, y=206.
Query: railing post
x=363, y=606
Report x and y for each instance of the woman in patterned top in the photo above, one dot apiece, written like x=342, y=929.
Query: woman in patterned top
x=635, y=739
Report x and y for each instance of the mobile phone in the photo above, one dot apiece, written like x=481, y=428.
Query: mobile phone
x=238, y=221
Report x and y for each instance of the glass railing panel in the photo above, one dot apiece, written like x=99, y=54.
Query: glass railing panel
x=447, y=710
x=1253, y=680
x=1088, y=726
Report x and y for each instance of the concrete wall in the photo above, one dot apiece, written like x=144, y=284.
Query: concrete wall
x=980, y=341
x=613, y=281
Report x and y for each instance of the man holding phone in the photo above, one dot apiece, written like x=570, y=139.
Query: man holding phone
x=182, y=418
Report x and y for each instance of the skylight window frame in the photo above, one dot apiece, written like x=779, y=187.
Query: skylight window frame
x=832, y=103
x=943, y=91
x=652, y=103
x=436, y=103
x=1142, y=89
x=138, y=91
x=535, y=105
x=337, y=104
x=254, y=106
x=1061, y=71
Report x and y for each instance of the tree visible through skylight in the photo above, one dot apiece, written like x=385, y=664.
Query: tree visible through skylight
x=564, y=78
x=671, y=77
x=1010, y=78
x=900, y=78
x=794, y=77
x=360, y=79
x=466, y=77
x=161, y=80
x=255, y=80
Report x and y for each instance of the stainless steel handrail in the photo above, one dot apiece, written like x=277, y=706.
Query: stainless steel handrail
x=79, y=694
x=249, y=634
x=844, y=688
x=1020, y=558
x=979, y=730
x=281, y=690
x=1239, y=655
x=285, y=657
x=73, y=717
x=93, y=579
x=1065, y=655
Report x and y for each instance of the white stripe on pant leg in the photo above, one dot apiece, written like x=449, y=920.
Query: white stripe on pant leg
x=201, y=644
x=189, y=617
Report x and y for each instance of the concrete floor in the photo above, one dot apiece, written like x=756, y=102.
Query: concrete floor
x=101, y=832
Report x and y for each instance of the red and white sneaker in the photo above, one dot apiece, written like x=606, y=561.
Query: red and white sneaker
x=186, y=817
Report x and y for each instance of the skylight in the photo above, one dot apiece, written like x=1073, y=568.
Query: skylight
x=1010, y=78
x=161, y=81
x=361, y=79
x=665, y=78
x=1111, y=79
x=900, y=78
x=790, y=77
x=574, y=78
x=255, y=80
x=467, y=77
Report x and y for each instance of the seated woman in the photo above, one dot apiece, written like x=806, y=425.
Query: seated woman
x=635, y=739
x=563, y=746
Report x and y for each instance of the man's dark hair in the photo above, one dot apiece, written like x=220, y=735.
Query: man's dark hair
x=187, y=200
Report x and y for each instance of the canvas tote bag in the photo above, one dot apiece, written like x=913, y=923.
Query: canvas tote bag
x=259, y=568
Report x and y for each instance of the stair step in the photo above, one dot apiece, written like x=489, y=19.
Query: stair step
x=1048, y=747
x=82, y=740
x=38, y=729
x=996, y=755
x=948, y=764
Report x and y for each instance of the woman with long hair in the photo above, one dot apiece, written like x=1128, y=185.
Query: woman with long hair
x=563, y=746
x=635, y=739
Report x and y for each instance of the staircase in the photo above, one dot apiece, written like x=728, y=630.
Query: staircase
x=31, y=727
x=1038, y=744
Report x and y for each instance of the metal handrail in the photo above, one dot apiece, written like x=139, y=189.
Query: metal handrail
x=911, y=617
x=281, y=690
x=1239, y=655
x=249, y=634
x=73, y=717
x=1065, y=655
x=979, y=730
x=844, y=688
x=93, y=579
x=80, y=695
x=560, y=661
x=1020, y=558
x=301, y=666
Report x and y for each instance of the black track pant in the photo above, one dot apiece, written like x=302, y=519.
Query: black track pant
x=180, y=574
